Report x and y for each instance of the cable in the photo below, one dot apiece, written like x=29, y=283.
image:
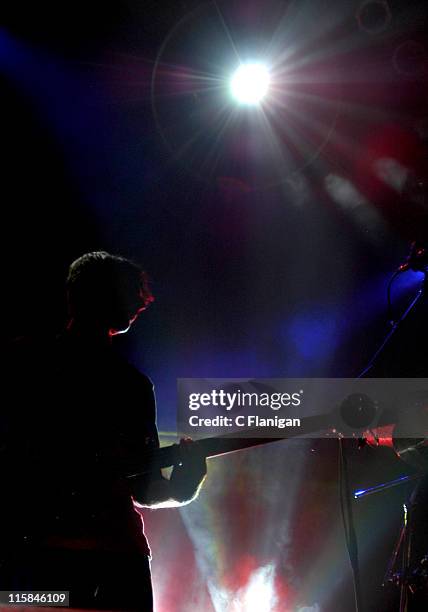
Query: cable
x=394, y=326
x=388, y=293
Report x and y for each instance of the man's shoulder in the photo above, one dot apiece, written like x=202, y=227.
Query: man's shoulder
x=135, y=378
x=136, y=373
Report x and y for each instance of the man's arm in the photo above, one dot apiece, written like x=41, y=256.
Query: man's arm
x=154, y=491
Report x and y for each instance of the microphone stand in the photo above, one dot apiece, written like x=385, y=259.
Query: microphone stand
x=402, y=553
x=418, y=262
x=405, y=543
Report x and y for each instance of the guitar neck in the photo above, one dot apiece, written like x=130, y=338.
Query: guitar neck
x=229, y=443
x=214, y=447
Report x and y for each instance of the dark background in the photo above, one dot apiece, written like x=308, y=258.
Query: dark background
x=267, y=258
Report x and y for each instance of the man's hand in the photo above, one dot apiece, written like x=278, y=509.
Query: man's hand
x=188, y=476
x=183, y=486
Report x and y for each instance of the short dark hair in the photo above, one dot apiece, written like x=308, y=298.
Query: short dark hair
x=98, y=275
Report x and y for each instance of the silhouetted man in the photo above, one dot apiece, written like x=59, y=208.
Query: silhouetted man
x=80, y=419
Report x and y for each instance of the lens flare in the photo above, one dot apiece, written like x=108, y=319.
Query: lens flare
x=250, y=83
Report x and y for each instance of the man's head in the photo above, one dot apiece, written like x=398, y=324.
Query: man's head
x=106, y=292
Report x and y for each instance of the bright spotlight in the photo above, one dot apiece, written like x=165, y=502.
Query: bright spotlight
x=249, y=83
